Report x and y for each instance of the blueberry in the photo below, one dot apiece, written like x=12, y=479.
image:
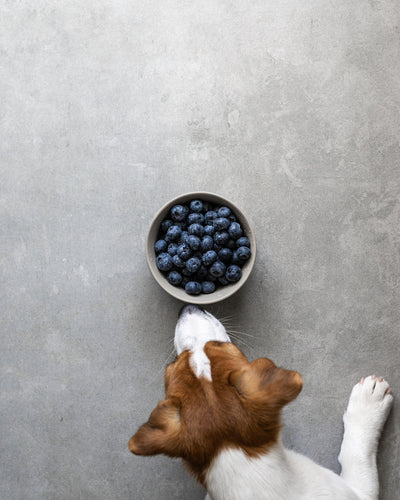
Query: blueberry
x=165, y=224
x=225, y=255
x=209, y=257
x=194, y=242
x=235, y=231
x=183, y=225
x=243, y=242
x=197, y=254
x=184, y=251
x=174, y=278
x=224, y=212
x=235, y=259
x=193, y=264
x=173, y=233
x=221, y=238
x=184, y=281
x=172, y=249
x=184, y=237
x=160, y=246
x=223, y=281
x=196, y=206
x=207, y=243
x=193, y=288
x=243, y=253
x=196, y=229
x=209, y=277
x=208, y=287
x=206, y=206
x=233, y=274
x=209, y=230
x=164, y=262
x=202, y=273
x=179, y=212
x=217, y=269
x=231, y=245
x=221, y=223
x=194, y=218
x=210, y=216
x=178, y=262
x=185, y=272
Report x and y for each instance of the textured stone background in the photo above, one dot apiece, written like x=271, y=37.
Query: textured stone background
x=109, y=109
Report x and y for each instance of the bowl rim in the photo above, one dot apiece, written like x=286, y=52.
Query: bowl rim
x=179, y=293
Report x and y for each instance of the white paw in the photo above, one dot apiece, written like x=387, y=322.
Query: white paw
x=368, y=408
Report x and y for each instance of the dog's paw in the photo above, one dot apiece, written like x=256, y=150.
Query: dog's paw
x=369, y=406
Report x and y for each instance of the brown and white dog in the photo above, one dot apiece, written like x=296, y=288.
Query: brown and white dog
x=222, y=415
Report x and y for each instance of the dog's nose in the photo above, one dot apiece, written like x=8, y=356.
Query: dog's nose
x=189, y=309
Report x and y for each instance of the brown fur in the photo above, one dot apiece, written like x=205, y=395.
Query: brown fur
x=241, y=407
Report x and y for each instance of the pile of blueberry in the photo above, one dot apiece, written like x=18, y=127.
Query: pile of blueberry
x=201, y=246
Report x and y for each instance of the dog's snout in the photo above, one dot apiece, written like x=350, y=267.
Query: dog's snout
x=190, y=308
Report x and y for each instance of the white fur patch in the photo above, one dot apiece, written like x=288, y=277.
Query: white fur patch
x=278, y=475
x=194, y=329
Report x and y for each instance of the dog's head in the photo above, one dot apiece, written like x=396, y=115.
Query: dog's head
x=214, y=398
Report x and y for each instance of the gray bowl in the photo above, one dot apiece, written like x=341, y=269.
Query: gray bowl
x=222, y=292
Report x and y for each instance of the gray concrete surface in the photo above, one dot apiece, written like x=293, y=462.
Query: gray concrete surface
x=109, y=109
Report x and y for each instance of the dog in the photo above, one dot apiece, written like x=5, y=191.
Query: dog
x=222, y=415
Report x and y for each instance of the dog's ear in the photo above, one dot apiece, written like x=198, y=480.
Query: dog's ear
x=160, y=434
x=262, y=380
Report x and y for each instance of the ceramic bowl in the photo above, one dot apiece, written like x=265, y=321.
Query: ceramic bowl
x=222, y=292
